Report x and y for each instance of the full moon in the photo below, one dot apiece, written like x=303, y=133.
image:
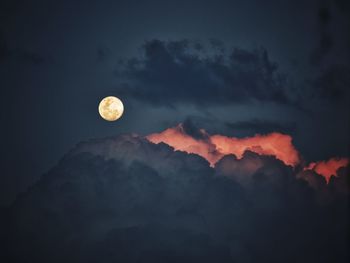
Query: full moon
x=111, y=108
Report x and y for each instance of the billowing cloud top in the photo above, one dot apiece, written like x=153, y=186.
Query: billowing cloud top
x=328, y=168
x=215, y=147
x=126, y=199
x=185, y=138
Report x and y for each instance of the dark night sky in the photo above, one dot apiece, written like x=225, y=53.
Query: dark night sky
x=59, y=58
x=233, y=146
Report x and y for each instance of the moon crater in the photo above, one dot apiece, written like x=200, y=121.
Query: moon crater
x=111, y=108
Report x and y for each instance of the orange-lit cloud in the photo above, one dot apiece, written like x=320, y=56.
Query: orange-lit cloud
x=275, y=144
x=180, y=140
x=328, y=168
x=214, y=147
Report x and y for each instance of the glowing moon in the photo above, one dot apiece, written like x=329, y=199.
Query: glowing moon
x=111, y=108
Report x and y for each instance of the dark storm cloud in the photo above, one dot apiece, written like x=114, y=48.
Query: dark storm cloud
x=176, y=72
x=339, y=185
x=191, y=129
x=252, y=165
x=124, y=199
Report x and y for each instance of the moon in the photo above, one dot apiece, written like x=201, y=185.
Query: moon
x=111, y=108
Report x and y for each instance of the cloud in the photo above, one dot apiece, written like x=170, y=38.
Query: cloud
x=114, y=192
x=188, y=138
x=314, y=179
x=250, y=166
x=214, y=147
x=178, y=139
x=176, y=72
x=126, y=199
x=274, y=144
x=328, y=168
x=339, y=184
x=185, y=72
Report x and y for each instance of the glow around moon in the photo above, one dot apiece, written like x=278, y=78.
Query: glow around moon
x=111, y=108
